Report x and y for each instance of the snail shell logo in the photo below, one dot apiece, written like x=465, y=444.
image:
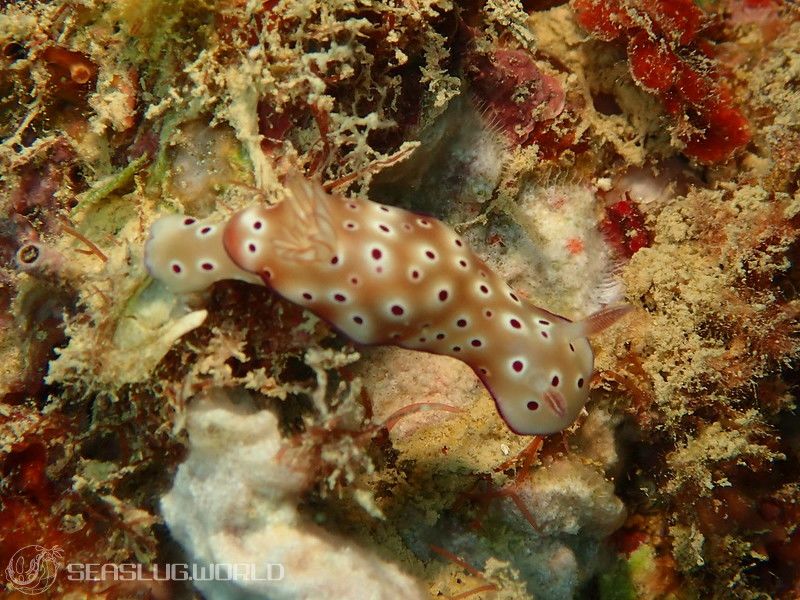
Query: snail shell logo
x=33, y=569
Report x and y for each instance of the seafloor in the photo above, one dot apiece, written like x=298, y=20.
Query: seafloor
x=591, y=152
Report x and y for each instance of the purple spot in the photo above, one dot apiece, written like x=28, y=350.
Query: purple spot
x=580, y=382
x=176, y=268
x=415, y=274
x=376, y=253
x=352, y=206
x=463, y=263
x=513, y=296
x=251, y=247
x=354, y=280
x=443, y=295
x=335, y=260
x=484, y=289
x=207, y=266
x=571, y=347
x=456, y=348
x=554, y=381
x=440, y=336
x=358, y=320
x=339, y=297
x=430, y=254
x=544, y=334
x=543, y=322
x=488, y=314
x=517, y=366
x=476, y=343
x=307, y=296
x=258, y=225
x=461, y=322
x=189, y=221
x=397, y=310
x=205, y=230
x=384, y=228
x=515, y=324
x=384, y=209
x=533, y=405
x=459, y=243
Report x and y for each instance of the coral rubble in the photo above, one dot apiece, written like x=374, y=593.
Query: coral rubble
x=235, y=502
x=590, y=152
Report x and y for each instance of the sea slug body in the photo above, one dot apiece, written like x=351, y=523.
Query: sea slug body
x=383, y=275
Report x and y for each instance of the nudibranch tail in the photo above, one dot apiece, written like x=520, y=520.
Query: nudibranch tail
x=188, y=255
x=382, y=275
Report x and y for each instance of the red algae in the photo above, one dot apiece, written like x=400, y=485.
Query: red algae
x=521, y=101
x=669, y=57
x=516, y=93
x=624, y=227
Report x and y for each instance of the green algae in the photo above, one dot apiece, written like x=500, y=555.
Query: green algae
x=108, y=185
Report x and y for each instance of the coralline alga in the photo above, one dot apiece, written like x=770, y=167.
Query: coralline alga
x=383, y=275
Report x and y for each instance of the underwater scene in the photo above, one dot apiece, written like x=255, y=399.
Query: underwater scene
x=399, y=299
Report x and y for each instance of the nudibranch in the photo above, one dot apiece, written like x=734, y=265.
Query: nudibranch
x=383, y=275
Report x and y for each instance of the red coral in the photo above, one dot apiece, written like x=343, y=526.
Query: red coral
x=661, y=38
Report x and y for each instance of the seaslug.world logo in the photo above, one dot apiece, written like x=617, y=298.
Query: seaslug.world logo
x=33, y=569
